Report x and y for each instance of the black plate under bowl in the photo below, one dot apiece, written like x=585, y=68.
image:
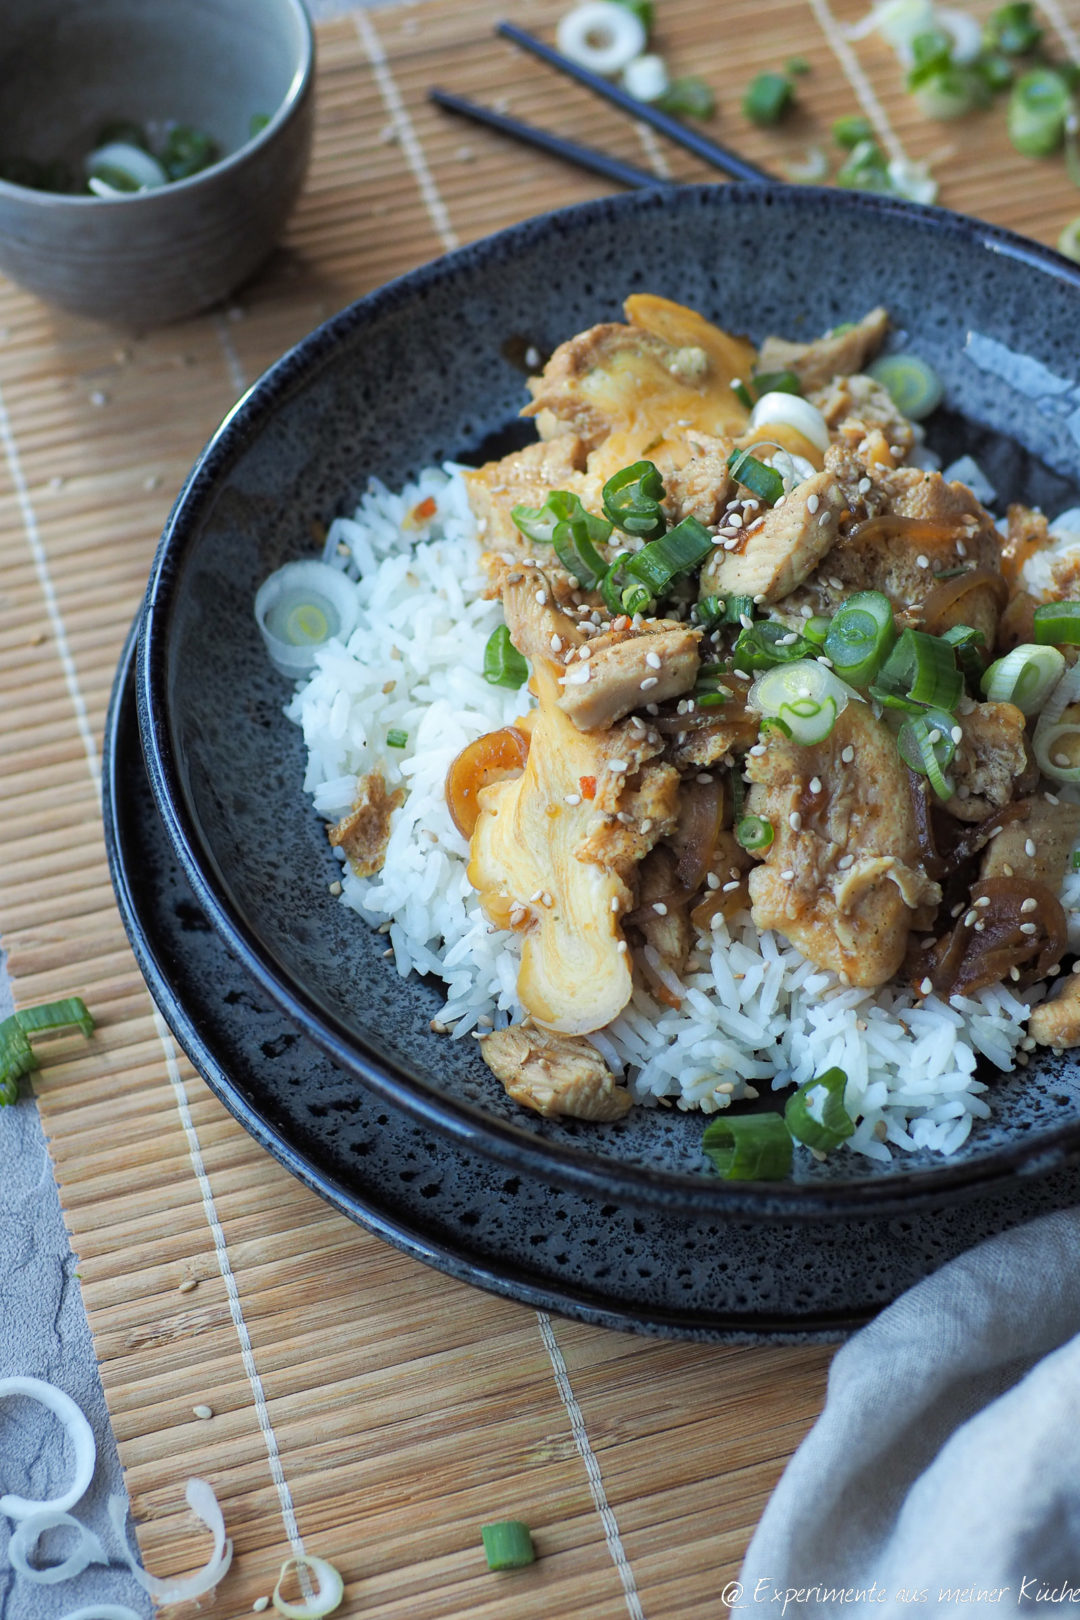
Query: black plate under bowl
x=422, y=370
x=600, y=1260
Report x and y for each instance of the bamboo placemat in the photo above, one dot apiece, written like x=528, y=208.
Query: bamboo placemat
x=371, y=1407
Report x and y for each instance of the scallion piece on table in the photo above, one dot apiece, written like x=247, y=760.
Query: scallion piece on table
x=17, y=1056
x=1026, y=676
x=398, y=739
x=675, y=553
x=1068, y=242
x=575, y=550
x=631, y=499
x=1057, y=624
x=503, y=664
x=861, y=637
x=767, y=98
x=762, y=481
x=921, y=669
x=754, y=833
x=913, y=386
x=71, y=1013
x=688, y=96
x=925, y=743
x=815, y=1114
x=1039, y=105
x=561, y=506
x=767, y=643
x=16, y=1059
x=508, y=1544
x=848, y=131
x=1012, y=29
x=749, y=1147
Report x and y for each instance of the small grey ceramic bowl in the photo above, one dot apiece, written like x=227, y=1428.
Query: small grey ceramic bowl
x=996, y=317
x=71, y=66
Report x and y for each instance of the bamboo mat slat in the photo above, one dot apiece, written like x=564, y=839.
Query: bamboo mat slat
x=402, y=1409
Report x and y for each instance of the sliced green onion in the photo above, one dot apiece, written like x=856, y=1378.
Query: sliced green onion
x=16, y=1059
x=736, y=609
x=709, y=611
x=806, y=696
x=636, y=599
x=797, y=65
x=808, y=721
x=952, y=91
x=922, y=669
x=124, y=167
x=561, y=506
x=914, y=387
x=1076, y=860
x=688, y=96
x=767, y=98
x=966, y=643
x=299, y=608
x=1068, y=242
x=576, y=552
x=631, y=499
x=503, y=664
x=776, y=382
x=398, y=739
x=1026, y=676
x=643, y=10
x=995, y=70
x=1012, y=29
x=815, y=1114
x=860, y=637
x=925, y=743
x=931, y=54
x=188, y=151
x=1038, y=107
x=865, y=169
x=1058, y=624
x=754, y=833
x=816, y=629
x=749, y=1147
x=1055, y=747
x=851, y=129
x=675, y=553
x=762, y=481
x=611, y=587
x=71, y=1013
x=742, y=394
x=508, y=1544
x=768, y=643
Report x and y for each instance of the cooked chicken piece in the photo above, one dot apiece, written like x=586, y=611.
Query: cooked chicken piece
x=661, y=916
x=855, y=406
x=631, y=390
x=836, y=354
x=1036, y=845
x=707, y=737
x=554, y=1074
x=843, y=882
x=778, y=550
x=622, y=670
x=526, y=478
x=731, y=866
x=628, y=821
x=365, y=832
x=543, y=865
x=702, y=486
x=538, y=627
x=989, y=760
x=1057, y=1022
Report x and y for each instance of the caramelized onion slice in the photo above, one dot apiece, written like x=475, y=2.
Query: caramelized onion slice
x=491, y=758
x=970, y=958
x=947, y=592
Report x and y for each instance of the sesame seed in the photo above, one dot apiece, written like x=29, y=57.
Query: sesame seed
x=812, y=504
x=757, y=750
x=926, y=986
x=648, y=683
x=541, y=597
x=623, y=946
x=556, y=644
x=957, y=734
x=1030, y=904
x=848, y=754
x=865, y=486
x=572, y=798
x=845, y=862
x=260, y=1605
x=711, y=880
x=585, y=652
x=577, y=677
x=751, y=1092
x=734, y=520
x=660, y=908
x=203, y=1412
x=335, y=888
x=921, y=561
x=787, y=874
x=1029, y=928
x=1061, y=759
x=617, y=766
x=933, y=736
x=727, y=888
x=741, y=674
x=970, y=919
x=795, y=821
x=746, y=621
x=188, y=1286
x=759, y=599
x=1014, y=972
x=777, y=504
x=533, y=898
x=815, y=784
x=653, y=660
x=725, y=1088
x=961, y=549
x=980, y=927
x=824, y=520
x=983, y=900
x=1051, y=798
x=1029, y=848
x=731, y=542
x=835, y=583
x=1007, y=869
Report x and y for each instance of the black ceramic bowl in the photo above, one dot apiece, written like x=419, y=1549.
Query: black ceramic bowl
x=425, y=369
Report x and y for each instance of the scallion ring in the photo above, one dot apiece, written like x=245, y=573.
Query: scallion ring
x=767, y=98
x=805, y=697
x=767, y=643
x=1038, y=108
x=121, y=167
x=861, y=637
x=631, y=499
x=602, y=36
x=503, y=664
x=675, y=553
x=762, y=481
x=327, y=1596
x=1026, y=676
x=508, y=1544
x=1057, y=750
x=575, y=550
x=1058, y=624
x=749, y=1147
x=815, y=1114
x=922, y=669
x=913, y=386
x=925, y=743
x=300, y=608
x=562, y=506
x=754, y=833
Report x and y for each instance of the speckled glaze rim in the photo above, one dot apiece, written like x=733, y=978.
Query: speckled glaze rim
x=563, y=1165
x=300, y=88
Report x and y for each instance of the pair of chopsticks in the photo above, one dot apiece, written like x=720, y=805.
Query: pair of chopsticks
x=587, y=157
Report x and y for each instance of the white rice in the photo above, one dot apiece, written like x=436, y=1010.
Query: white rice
x=754, y=1011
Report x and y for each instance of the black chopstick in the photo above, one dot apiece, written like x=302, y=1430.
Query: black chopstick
x=718, y=156
x=584, y=157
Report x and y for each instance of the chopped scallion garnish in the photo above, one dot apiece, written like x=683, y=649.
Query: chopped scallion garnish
x=1039, y=105
x=921, y=669
x=804, y=697
x=767, y=643
x=709, y=611
x=767, y=98
x=561, y=506
x=503, y=664
x=675, y=553
x=1027, y=675
x=925, y=743
x=776, y=382
x=816, y=1115
x=575, y=550
x=397, y=739
x=914, y=387
x=736, y=609
x=688, y=96
x=508, y=1544
x=749, y=1147
x=754, y=833
x=1012, y=29
x=17, y=1056
x=851, y=129
x=762, y=481
x=860, y=637
x=631, y=499
x=1057, y=624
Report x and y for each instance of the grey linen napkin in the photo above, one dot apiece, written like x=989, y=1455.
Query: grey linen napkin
x=943, y=1476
